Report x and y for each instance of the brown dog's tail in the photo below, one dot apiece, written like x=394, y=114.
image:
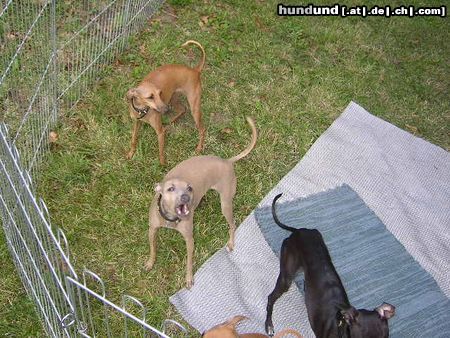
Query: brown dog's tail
x=252, y=143
x=199, y=67
x=285, y=332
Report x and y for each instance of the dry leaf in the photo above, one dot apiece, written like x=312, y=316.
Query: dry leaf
x=53, y=137
x=204, y=19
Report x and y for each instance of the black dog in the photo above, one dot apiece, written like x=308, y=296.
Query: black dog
x=329, y=311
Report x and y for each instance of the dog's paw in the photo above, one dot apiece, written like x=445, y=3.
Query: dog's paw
x=130, y=155
x=230, y=247
x=199, y=149
x=189, y=284
x=148, y=265
x=269, y=330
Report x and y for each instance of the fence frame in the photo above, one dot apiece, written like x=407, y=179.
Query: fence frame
x=40, y=250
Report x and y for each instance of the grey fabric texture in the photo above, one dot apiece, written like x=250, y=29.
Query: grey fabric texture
x=374, y=267
x=403, y=179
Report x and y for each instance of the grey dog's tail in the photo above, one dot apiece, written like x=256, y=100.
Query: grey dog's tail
x=252, y=142
x=275, y=217
x=199, y=67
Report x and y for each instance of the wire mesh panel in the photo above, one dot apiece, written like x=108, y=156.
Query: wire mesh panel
x=39, y=251
x=96, y=316
x=50, y=54
x=28, y=75
x=104, y=28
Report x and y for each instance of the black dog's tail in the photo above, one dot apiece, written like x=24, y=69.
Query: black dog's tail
x=275, y=217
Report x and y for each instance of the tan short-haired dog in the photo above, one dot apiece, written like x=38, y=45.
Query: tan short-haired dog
x=180, y=192
x=161, y=88
x=228, y=330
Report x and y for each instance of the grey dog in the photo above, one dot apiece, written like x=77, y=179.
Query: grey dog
x=180, y=192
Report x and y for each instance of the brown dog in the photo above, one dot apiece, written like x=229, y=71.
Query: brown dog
x=228, y=330
x=180, y=192
x=161, y=88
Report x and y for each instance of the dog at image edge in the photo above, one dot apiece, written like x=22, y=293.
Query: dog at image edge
x=228, y=330
x=329, y=311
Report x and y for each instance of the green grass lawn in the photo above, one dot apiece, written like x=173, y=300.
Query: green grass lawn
x=294, y=75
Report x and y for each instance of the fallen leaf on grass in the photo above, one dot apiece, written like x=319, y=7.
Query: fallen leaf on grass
x=203, y=21
x=53, y=137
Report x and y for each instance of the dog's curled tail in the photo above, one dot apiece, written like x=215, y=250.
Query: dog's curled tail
x=275, y=217
x=252, y=143
x=285, y=332
x=199, y=67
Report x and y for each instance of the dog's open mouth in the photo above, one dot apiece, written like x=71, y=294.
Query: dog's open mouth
x=182, y=210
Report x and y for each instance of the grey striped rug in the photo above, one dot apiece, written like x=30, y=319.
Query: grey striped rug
x=373, y=265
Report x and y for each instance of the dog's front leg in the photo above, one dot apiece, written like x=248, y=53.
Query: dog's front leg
x=134, y=137
x=288, y=270
x=161, y=140
x=189, y=238
x=152, y=240
x=156, y=123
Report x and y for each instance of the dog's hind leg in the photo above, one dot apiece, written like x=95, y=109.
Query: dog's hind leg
x=177, y=106
x=289, y=265
x=194, y=103
x=227, y=190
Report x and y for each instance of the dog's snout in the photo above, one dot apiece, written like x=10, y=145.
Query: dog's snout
x=185, y=198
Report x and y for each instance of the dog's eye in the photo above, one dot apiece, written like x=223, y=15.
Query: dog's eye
x=150, y=97
x=171, y=189
x=189, y=188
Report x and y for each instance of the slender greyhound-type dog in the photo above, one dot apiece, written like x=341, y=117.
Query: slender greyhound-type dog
x=329, y=310
x=161, y=88
x=180, y=192
x=228, y=330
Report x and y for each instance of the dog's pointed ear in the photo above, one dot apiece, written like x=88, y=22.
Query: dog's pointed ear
x=386, y=310
x=235, y=320
x=350, y=315
x=158, y=187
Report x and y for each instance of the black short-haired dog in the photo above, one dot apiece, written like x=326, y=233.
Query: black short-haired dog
x=329, y=311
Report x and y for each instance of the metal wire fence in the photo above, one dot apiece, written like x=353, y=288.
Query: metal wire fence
x=50, y=54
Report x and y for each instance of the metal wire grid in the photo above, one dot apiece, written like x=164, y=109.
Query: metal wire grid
x=96, y=316
x=39, y=252
x=28, y=75
x=41, y=72
x=85, y=54
x=45, y=70
x=67, y=305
